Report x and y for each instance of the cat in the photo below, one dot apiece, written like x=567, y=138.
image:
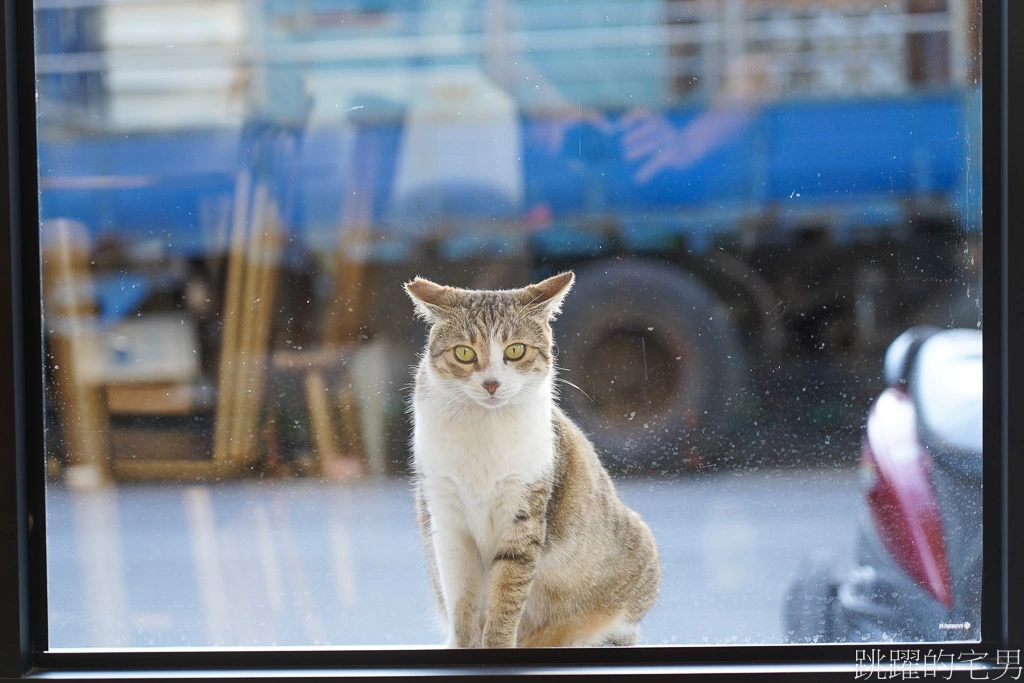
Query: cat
x=528, y=544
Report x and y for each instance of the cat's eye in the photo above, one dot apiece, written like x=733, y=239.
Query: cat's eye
x=464, y=354
x=515, y=351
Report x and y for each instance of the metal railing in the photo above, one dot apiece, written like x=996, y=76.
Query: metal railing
x=650, y=53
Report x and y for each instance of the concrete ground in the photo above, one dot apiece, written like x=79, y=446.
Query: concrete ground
x=303, y=562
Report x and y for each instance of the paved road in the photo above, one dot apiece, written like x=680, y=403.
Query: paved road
x=302, y=562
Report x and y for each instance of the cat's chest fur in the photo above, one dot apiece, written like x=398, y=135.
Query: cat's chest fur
x=474, y=466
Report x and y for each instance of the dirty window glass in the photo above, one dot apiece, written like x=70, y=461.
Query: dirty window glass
x=772, y=210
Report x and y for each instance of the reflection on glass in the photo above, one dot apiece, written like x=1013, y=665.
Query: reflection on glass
x=757, y=198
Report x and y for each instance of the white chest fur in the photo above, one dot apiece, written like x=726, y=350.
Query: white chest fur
x=474, y=465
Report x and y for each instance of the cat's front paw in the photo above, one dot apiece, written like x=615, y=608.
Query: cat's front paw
x=455, y=641
x=498, y=638
x=466, y=626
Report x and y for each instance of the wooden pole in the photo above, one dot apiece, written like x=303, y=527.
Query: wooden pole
x=325, y=447
x=230, y=320
x=261, y=309
x=78, y=352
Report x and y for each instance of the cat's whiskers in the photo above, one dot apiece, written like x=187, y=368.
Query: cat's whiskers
x=574, y=386
x=453, y=401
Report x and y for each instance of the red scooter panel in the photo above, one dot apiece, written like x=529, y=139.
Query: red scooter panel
x=901, y=496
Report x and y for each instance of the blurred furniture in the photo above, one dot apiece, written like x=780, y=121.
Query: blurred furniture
x=77, y=351
x=146, y=369
x=158, y=377
x=344, y=374
x=252, y=266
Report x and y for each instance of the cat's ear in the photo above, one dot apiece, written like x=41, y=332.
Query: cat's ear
x=548, y=294
x=427, y=297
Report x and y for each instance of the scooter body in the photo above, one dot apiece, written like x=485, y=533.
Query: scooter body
x=917, y=573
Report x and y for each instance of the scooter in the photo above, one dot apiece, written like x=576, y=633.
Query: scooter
x=918, y=557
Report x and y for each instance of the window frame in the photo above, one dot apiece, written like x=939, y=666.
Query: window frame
x=23, y=610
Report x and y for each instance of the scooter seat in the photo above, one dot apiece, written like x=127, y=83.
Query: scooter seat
x=945, y=381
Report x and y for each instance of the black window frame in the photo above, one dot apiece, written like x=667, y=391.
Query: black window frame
x=23, y=628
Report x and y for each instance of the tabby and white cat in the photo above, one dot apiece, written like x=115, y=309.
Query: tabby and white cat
x=527, y=542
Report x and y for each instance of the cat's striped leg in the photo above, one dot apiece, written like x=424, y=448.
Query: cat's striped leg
x=513, y=569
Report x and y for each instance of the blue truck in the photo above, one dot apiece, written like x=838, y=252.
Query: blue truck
x=694, y=281
x=722, y=245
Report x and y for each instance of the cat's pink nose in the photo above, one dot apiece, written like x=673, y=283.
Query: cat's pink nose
x=491, y=385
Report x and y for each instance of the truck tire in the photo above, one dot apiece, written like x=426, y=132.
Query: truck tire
x=650, y=364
